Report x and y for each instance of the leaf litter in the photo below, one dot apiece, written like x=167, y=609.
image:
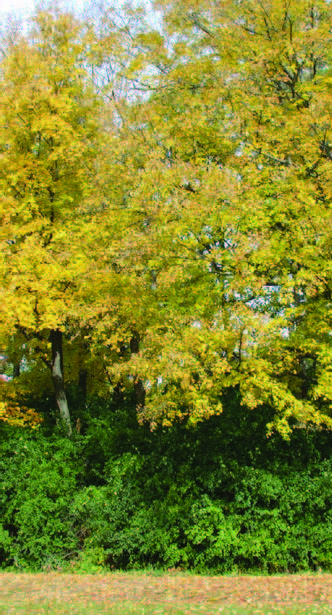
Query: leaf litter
x=173, y=589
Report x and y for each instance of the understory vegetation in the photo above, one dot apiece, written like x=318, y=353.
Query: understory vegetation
x=218, y=497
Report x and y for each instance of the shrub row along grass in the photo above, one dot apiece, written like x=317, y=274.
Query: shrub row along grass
x=220, y=497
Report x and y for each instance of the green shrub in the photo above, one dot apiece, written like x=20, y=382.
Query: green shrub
x=219, y=497
x=39, y=480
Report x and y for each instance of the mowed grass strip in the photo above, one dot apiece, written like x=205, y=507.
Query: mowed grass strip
x=57, y=608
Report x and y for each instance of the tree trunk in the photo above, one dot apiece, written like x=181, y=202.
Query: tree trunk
x=16, y=369
x=82, y=384
x=58, y=379
x=139, y=390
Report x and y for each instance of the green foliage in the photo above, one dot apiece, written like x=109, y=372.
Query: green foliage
x=220, y=497
x=39, y=479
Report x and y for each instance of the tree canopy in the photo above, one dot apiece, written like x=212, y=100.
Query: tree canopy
x=166, y=207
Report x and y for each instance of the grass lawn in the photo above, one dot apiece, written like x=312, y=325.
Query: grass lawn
x=165, y=594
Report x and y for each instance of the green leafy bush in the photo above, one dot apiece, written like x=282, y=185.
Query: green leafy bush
x=219, y=497
x=39, y=480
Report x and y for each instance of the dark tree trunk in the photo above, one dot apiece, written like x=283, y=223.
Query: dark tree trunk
x=139, y=390
x=16, y=369
x=58, y=379
x=82, y=384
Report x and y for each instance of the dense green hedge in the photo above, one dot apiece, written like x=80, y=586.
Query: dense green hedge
x=220, y=497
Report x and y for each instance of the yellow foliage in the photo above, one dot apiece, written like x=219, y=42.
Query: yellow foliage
x=17, y=415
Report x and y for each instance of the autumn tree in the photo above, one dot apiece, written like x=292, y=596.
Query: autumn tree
x=232, y=200
x=176, y=228
x=49, y=135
